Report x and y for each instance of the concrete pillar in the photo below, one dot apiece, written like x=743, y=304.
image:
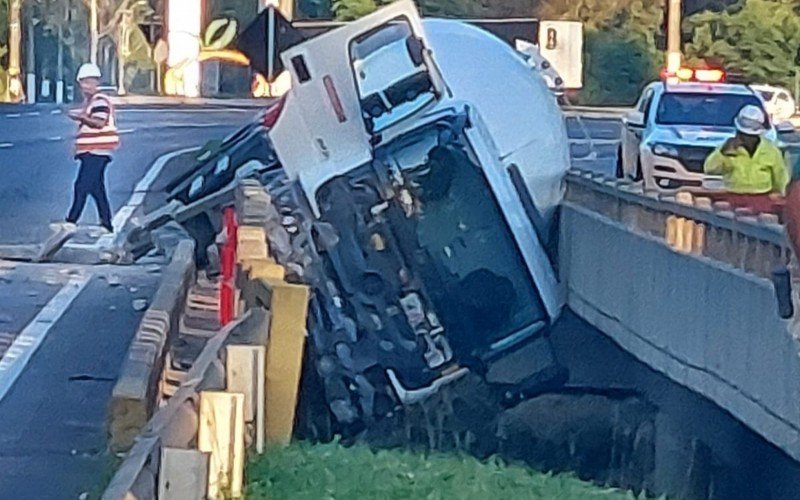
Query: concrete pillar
x=672, y=450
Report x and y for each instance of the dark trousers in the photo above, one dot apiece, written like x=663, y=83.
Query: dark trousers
x=91, y=181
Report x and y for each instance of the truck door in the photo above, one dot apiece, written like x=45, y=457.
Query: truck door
x=352, y=88
x=634, y=126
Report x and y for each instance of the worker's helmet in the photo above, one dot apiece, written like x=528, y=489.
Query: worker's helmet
x=750, y=120
x=89, y=70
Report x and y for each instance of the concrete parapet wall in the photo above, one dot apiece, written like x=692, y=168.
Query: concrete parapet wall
x=704, y=316
x=135, y=393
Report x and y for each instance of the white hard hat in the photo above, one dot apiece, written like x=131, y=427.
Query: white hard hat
x=89, y=70
x=750, y=120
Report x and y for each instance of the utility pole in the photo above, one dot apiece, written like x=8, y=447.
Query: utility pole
x=60, y=57
x=30, y=59
x=15, y=93
x=93, y=31
x=123, y=51
x=673, y=36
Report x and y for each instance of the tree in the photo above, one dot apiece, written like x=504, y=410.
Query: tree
x=620, y=55
x=3, y=24
x=760, y=40
x=607, y=81
x=348, y=10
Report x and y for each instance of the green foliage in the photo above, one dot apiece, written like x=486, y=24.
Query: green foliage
x=327, y=471
x=760, y=40
x=3, y=23
x=244, y=11
x=348, y=10
x=616, y=68
x=620, y=52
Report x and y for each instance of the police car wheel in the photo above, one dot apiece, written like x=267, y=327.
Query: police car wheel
x=620, y=171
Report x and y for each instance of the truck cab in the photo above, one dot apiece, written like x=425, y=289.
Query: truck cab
x=432, y=214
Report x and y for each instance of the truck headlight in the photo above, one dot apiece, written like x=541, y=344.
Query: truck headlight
x=665, y=150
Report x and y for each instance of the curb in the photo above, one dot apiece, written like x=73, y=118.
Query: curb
x=149, y=102
x=133, y=102
x=134, y=395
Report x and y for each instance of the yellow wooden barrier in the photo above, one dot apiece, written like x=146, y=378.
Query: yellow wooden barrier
x=289, y=310
x=251, y=243
x=263, y=269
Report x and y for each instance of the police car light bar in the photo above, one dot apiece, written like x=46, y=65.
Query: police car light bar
x=694, y=75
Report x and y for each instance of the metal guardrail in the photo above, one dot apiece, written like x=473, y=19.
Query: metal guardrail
x=242, y=388
x=755, y=243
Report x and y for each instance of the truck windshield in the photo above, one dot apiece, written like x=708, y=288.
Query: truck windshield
x=482, y=289
x=716, y=110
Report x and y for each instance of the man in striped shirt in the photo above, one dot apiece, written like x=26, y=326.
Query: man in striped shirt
x=97, y=139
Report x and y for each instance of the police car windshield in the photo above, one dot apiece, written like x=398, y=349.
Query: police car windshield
x=702, y=109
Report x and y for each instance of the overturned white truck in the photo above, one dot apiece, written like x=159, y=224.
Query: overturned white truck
x=426, y=159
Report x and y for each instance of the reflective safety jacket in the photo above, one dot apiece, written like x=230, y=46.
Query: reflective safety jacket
x=103, y=140
x=764, y=172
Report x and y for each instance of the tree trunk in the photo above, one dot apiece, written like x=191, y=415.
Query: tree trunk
x=60, y=60
x=30, y=57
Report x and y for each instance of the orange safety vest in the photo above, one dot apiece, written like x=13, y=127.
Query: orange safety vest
x=102, y=140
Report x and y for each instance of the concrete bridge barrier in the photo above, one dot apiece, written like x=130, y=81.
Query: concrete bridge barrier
x=685, y=286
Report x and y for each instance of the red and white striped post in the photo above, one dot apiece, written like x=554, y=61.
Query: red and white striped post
x=227, y=296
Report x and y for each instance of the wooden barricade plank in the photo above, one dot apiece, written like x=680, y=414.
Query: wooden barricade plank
x=221, y=434
x=289, y=309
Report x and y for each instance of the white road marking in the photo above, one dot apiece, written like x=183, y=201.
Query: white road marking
x=33, y=113
x=6, y=145
x=13, y=115
x=55, y=112
x=124, y=214
x=597, y=142
x=28, y=341
x=55, y=139
x=126, y=131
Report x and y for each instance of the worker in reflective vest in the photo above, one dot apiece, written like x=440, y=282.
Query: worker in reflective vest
x=97, y=139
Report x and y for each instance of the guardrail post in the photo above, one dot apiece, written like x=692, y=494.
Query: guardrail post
x=183, y=474
x=289, y=308
x=221, y=434
x=246, y=373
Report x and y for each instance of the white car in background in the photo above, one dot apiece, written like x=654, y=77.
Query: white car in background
x=779, y=102
x=675, y=126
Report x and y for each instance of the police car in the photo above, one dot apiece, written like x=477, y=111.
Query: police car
x=677, y=123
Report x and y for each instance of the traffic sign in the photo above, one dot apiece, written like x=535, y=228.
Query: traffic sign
x=265, y=38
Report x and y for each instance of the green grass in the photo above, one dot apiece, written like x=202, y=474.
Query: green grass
x=331, y=471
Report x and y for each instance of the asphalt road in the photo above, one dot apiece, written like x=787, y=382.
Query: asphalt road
x=37, y=171
x=594, y=143
x=65, y=329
